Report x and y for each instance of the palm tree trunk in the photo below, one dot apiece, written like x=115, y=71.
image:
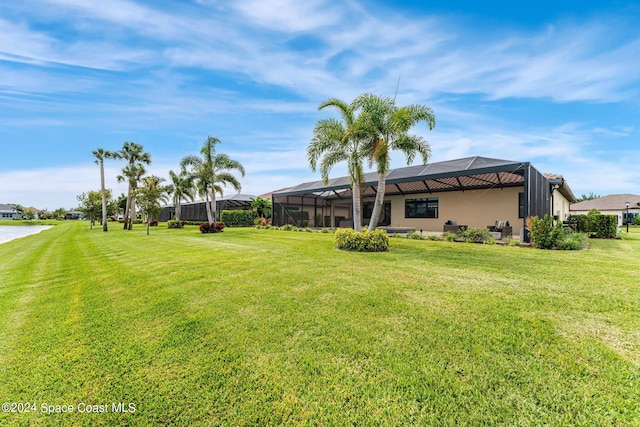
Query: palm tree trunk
x=178, y=208
x=357, y=206
x=127, y=208
x=207, y=206
x=132, y=212
x=213, y=206
x=377, y=206
x=104, y=197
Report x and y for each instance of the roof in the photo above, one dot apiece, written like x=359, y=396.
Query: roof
x=561, y=185
x=459, y=174
x=7, y=208
x=612, y=202
x=233, y=200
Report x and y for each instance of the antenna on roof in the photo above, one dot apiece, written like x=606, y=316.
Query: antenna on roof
x=397, y=87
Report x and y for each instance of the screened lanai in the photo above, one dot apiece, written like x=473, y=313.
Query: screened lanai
x=314, y=204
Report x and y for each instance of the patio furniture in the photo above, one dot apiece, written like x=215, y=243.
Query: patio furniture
x=453, y=227
x=501, y=227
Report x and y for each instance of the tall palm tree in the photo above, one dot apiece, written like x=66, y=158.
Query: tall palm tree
x=387, y=127
x=100, y=154
x=212, y=170
x=132, y=173
x=338, y=141
x=181, y=187
x=134, y=154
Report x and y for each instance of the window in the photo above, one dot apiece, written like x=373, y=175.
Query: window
x=385, y=214
x=421, y=208
x=520, y=205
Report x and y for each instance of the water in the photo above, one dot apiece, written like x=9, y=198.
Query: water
x=11, y=232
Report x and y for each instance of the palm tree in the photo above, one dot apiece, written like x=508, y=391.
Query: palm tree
x=134, y=155
x=131, y=173
x=338, y=141
x=181, y=187
x=387, y=127
x=101, y=154
x=212, y=170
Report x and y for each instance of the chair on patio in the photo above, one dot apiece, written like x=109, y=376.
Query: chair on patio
x=453, y=227
x=501, y=227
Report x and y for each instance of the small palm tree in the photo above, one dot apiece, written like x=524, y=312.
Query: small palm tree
x=387, y=128
x=134, y=154
x=100, y=154
x=181, y=187
x=335, y=141
x=213, y=170
x=132, y=173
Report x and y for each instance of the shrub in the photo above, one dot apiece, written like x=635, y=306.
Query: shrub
x=362, y=241
x=153, y=223
x=415, y=236
x=237, y=218
x=449, y=236
x=595, y=224
x=476, y=235
x=572, y=240
x=511, y=241
x=324, y=230
x=542, y=233
x=432, y=237
x=206, y=227
x=287, y=227
x=636, y=220
x=172, y=223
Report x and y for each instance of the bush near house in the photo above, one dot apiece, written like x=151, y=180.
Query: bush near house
x=206, y=227
x=172, y=223
x=595, y=224
x=544, y=235
x=237, y=218
x=363, y=241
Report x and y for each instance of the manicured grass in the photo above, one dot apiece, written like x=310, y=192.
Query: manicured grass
x=262, y=327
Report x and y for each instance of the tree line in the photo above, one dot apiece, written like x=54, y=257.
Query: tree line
x=204, y=175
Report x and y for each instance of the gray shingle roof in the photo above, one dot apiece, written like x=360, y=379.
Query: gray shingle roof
x=612, y=202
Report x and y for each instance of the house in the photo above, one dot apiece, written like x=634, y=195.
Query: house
x=474, y=191
x=613, y=204
x=9, y=212
x=196, y=211
x=74, y=215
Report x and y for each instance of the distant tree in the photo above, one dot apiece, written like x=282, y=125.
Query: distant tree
x=149, y=195
x=589, y=196
x=59, y=214
x=29, y=214
x=19, y=209
x=91, y=206
x=211, y=170
x=181, y=187
x=261, y=207
x=136, y=158
x=121, y=202
x=101, y=154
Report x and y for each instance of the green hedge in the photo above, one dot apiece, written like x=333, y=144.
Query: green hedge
x=237, y=218
x=595, y=224
x=363, y=241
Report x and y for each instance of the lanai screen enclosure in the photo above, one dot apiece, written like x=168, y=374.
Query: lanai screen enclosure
x=314, y=204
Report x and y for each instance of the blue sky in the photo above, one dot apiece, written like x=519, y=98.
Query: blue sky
x=553, y=83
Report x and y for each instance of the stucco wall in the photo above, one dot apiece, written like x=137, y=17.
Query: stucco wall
x=474, y=208
x=560, y=206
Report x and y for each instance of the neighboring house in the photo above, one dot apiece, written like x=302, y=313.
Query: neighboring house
x=613, y=204
x=196, y=211
x=9, y=212
x=473, y=191
x=74, y=215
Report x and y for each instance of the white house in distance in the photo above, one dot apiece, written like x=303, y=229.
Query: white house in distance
x=9, y=212
x=613, y=204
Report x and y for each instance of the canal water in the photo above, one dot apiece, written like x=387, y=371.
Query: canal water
x=11, y=232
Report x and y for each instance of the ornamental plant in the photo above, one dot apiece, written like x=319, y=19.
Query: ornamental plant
x=362, y=241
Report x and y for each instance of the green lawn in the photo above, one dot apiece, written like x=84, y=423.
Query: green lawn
x=263, y=327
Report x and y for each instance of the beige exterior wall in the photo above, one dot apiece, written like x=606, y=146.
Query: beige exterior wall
x=474, y=208
x=560, y=206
